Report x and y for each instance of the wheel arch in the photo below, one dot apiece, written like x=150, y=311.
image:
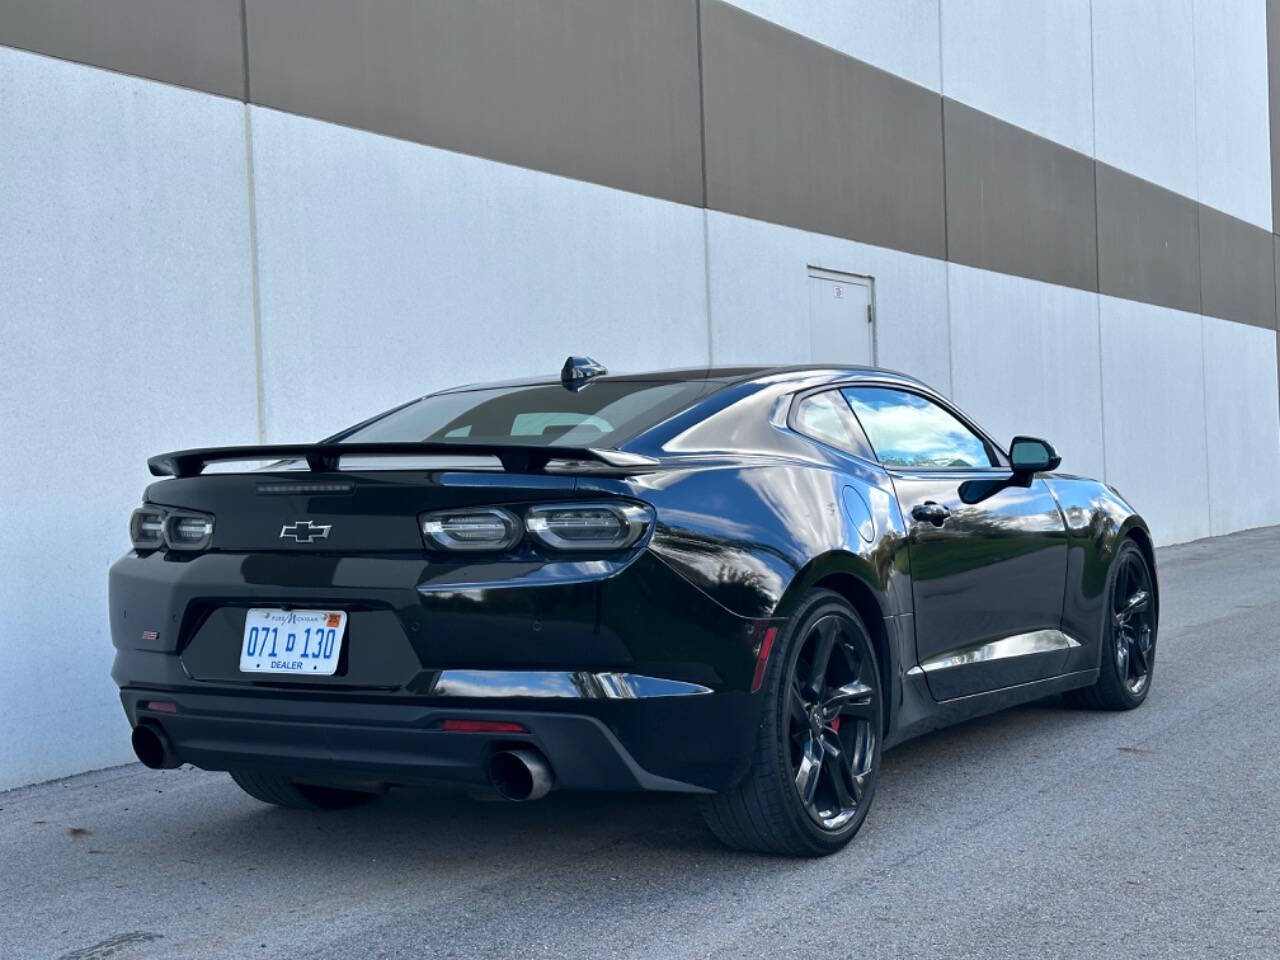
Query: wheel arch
x=1136, y=530
x=852, y=577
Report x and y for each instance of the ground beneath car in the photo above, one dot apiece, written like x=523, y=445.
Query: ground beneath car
x=1043, y=831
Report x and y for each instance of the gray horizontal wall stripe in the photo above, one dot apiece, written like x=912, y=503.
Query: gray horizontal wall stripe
x=1237, y=269
x=597, y=90
x=1275, y=244
x=1016, y=202
x=1148, y=242
x=607, y=91
x=189, y=43
x=800, y=134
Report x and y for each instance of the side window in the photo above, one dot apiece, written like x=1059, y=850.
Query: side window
x=826, y=417
x=906, y=430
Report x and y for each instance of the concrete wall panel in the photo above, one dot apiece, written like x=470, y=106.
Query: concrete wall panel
x=1024, y=61
x=192, y=43
x=1018, y=203
x=900, y=36
x=1273, y=88
x=799, y=134
x=1237, y=261
x=760, y=296
x=600, y=90
x=1243, y=425
x=1153, y=415
x=1233, y=141
x=126, y=327
x=396, y=268
x=1144, y=90
x=1148, y=241
x=1025, y=361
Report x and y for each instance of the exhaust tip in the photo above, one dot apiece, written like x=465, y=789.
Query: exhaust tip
x=520, y=774
x=152, y=748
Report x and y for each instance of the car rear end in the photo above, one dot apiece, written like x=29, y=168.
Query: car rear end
x=401, y=606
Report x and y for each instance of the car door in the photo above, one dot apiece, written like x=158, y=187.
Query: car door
x=988, y=549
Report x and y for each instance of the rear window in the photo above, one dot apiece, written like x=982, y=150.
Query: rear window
x=602, y=414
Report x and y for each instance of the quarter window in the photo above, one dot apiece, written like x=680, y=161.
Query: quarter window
x=826, y=417
x=907, y=430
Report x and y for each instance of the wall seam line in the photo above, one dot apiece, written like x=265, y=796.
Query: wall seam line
x=706, y=284
x=244, y=46
x=706, y=229
x=946, y=224
x=1208, y=459
x=1097, y=245
x=702, y=104
x=1204, y=383
x=259, y=392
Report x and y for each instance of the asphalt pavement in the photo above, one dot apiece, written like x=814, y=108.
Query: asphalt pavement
x=1041, y=832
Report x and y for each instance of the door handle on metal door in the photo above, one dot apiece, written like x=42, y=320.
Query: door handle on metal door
x=930, y=512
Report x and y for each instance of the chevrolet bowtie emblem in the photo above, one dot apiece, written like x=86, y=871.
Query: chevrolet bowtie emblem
x=304, y=531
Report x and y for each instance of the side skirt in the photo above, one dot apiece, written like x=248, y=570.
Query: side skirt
x=920, y=713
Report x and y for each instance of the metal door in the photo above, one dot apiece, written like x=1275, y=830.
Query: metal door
x=841, y=319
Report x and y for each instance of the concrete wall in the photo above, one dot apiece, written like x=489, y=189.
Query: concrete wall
x=434, y=268
x=1065, y=208
x=126, y=327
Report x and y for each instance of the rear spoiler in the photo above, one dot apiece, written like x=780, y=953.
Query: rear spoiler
x=515, y=458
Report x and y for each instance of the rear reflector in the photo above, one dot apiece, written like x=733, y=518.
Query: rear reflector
x=762, y=658
x=160, y=706
x=482, y=726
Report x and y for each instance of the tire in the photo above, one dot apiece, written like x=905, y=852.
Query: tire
x=283, y=792
x=765, y=811
x=1127, y=663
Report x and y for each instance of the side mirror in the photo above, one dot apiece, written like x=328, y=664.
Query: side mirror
x=1032, y=455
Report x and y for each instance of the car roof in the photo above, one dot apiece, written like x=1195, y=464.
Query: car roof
x=722, y=375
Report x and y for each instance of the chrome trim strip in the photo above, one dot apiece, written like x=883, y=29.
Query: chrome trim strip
x=558, y=684
x=1018, y=645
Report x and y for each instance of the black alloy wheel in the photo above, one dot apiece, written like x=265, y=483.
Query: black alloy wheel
x=1133, y=621
x=818, y=747
x=1129, y=636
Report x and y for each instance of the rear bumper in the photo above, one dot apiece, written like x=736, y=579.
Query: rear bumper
x=399, y=744
x=589, y=748
x=637, y=681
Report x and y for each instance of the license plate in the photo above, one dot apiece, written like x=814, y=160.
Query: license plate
x=292, y=641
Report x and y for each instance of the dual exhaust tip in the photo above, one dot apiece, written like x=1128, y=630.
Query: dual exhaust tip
x=518, y=774
x=153, y=748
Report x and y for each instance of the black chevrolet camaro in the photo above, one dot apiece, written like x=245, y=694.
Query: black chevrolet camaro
x=742, y=584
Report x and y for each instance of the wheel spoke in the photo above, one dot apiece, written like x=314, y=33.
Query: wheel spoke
x=841, y=778
x=853, y=699
x=810, y=769
x=1137, y=657
x=797, y=706
x=857, y=781
x=827, y=631
x=1123, y=587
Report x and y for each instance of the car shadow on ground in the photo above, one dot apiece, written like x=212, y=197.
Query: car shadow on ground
x=448, y=825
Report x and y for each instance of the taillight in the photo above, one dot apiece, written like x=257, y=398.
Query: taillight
x=188, y=531
x=146, y=528
x=560, y=527
x=589, y=526
x=491, y=528
x=151, y=528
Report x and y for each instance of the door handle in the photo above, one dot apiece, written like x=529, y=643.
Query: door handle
x=930, y=512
